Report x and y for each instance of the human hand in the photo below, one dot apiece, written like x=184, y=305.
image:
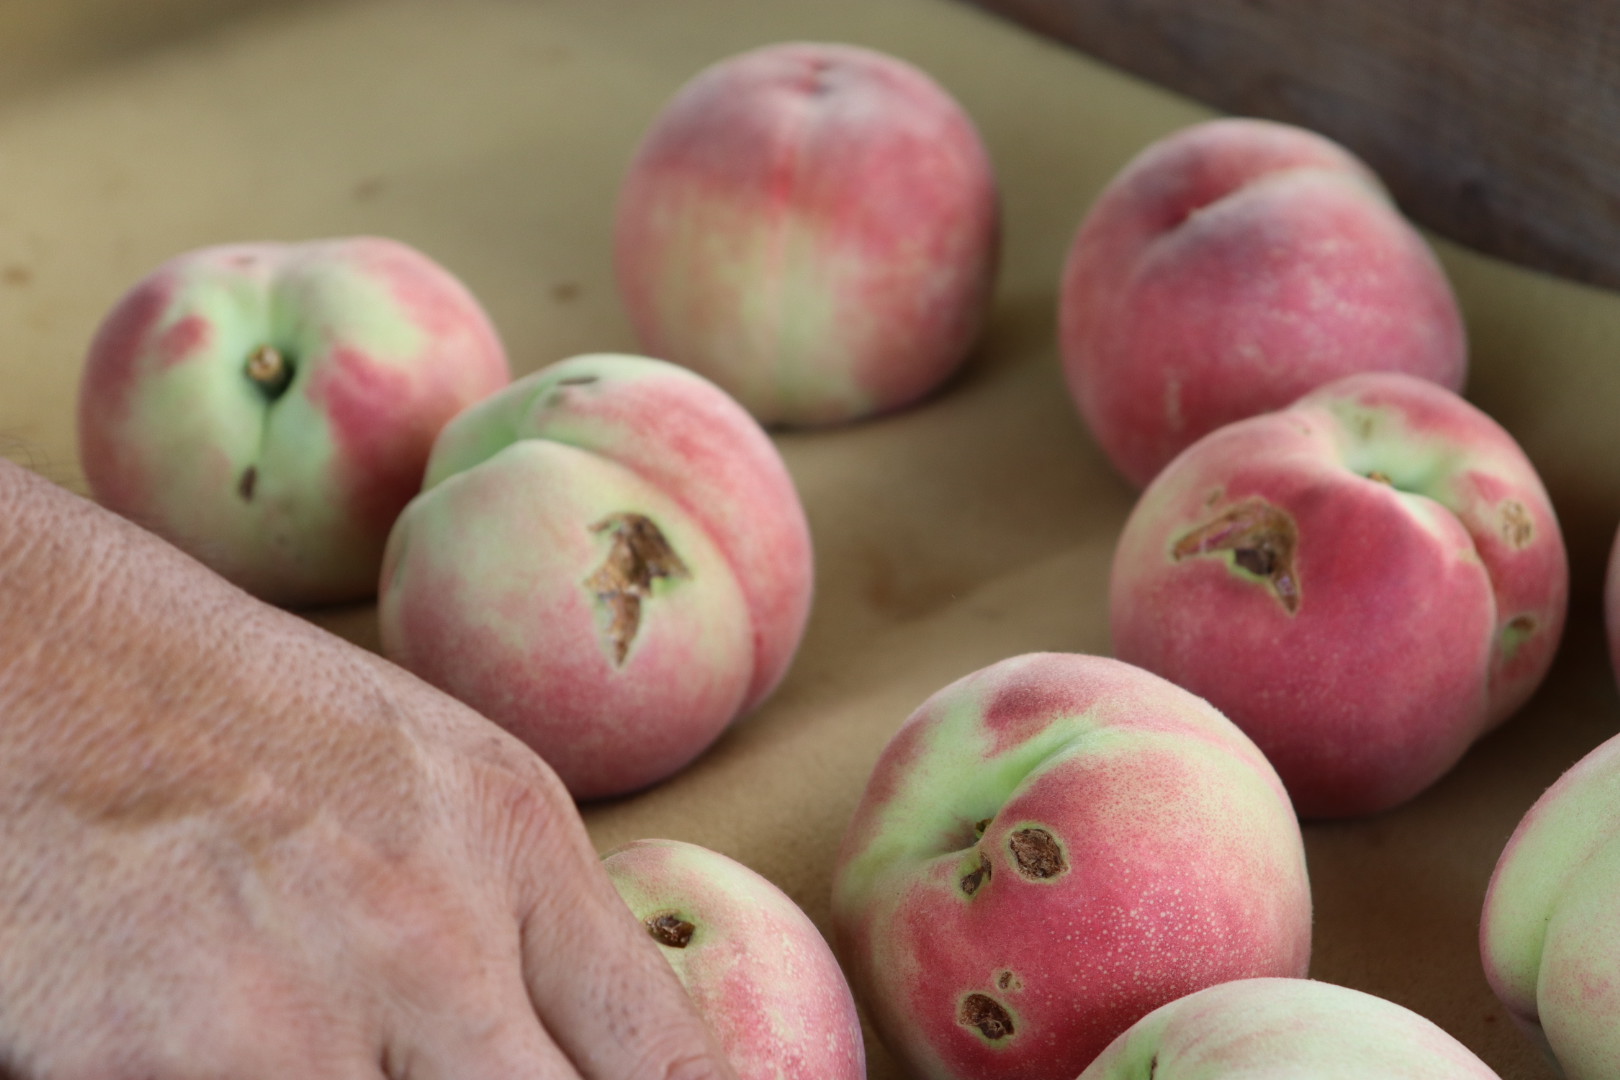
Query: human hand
x=234, y=845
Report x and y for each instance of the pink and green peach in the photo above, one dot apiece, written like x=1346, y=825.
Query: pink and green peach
x=1364, y=582
x=1048, y=850
x=1550, y=929
x=752, y=961
x=270, y=407
x=1232, y=267
x=608, y=558
x=814, y=227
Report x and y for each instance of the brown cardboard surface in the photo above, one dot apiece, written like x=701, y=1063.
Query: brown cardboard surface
x=976, y=526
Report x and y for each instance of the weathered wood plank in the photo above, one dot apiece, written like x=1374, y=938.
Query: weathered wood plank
x=1494, y=122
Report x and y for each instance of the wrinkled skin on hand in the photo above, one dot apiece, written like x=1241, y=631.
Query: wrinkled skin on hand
x=233, y=845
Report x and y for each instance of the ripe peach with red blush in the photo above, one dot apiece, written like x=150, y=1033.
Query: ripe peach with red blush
x=1230, y=268
x=1051, y=848
x=754, y=964
x=814, y=227
x=609, y=559
x=270, y=407
x=1365, y=582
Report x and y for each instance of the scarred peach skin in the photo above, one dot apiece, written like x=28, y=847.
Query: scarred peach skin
x=755, y=965
x=1232, y=267
x=610, y=560
x=1365, y=582
x=814, y=227
x=1051, y=848
x=269, y=408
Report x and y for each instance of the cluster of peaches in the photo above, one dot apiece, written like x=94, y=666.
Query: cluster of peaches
x=1063, y=865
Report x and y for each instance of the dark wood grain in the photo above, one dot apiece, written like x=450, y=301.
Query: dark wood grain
x=1494, y=122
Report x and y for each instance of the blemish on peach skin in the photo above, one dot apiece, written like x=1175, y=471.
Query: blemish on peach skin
x=1517, y=528
x=985, y=1013
x=639, y=554
x=1262, y=540
x=670, y=930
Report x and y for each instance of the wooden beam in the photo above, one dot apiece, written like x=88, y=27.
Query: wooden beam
x=1494, y=122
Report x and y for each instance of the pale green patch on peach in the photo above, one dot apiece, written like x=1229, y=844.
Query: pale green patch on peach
x=1262, y=1029
x=538, y=407
x=276, y=453
x=1379, y=444
x=1567, y=843
x=958, y=780
x=918, y=825
x=771, y=286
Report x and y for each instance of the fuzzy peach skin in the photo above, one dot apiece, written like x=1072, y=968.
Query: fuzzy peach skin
x=1550, y=930
x=269, y=408
x=1228, y=269
x=1364, y=582
x=1283, y=1029
x=609, y=559
x=814, y=227
x=754, y=964
x=1049, y=849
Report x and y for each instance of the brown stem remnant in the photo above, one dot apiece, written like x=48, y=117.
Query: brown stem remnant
x=1262, y=540
x=269, y=370
x=639, y=556
x=670, y=930
x=249, y=482
x=1037, y=854
x=987, y=1014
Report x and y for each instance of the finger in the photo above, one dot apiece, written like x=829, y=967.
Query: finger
x=501, y=1040
x=601, y=987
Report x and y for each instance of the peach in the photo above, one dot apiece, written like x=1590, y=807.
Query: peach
x=1232, y=267
x=609, y=559
x=1048, y=850
x=813, y=227
x=1550, y=928
x=269, y=408
x=1365, y=582
x=1265, y=1029
x=754, y=964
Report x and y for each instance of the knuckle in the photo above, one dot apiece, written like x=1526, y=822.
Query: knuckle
x=682, y=1062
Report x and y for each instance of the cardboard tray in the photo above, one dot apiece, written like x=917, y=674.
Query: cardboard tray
x=976, y=526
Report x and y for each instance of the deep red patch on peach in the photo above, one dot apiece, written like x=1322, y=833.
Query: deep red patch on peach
x=381, y=459
x=183, y=340
x=118, y=345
